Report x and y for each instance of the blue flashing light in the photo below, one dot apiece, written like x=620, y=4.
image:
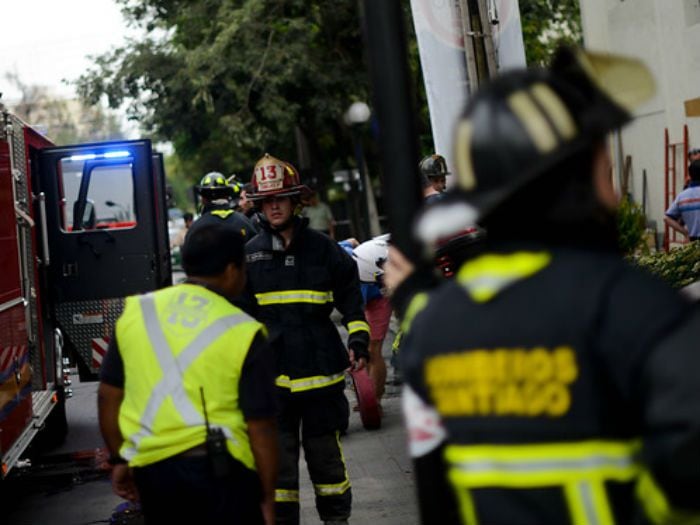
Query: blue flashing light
x=117, y=154
x=89, y=156
x=108, y=155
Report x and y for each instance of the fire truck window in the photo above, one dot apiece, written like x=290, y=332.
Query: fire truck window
x=109, y=202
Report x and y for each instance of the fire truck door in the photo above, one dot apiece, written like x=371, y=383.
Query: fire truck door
x=103, y=220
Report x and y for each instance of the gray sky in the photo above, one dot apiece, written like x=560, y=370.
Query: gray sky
x=49, y=40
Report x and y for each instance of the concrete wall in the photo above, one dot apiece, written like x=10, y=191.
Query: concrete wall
x=665, y=34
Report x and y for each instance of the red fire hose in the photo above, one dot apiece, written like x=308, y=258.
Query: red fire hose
x=370, y=413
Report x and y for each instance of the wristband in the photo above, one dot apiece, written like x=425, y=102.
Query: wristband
x=116, y=459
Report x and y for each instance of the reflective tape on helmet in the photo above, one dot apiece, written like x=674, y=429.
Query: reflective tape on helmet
x=294, y=296
x=357, y=326
x=580, y=468
x=308, y=383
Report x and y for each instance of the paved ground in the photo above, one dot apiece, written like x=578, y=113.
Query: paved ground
x=379, y=469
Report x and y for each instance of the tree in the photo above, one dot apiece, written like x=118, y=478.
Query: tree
x=65, y=121
x=225, y=81
x=547, y=24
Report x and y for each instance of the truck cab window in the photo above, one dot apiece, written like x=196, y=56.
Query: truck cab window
x=102, y=194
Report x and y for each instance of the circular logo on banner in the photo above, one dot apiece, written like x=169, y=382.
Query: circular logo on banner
x=442, y=18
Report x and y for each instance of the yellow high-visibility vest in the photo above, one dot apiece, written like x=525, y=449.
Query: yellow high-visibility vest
x=173, y=343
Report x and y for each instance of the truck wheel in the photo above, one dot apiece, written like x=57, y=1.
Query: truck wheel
x=56, y=425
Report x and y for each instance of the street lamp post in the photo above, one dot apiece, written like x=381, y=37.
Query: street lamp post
x=357, y=114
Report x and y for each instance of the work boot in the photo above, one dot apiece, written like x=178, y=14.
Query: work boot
x=336, y=522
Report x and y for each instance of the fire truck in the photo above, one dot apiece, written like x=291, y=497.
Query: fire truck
x=81, y=228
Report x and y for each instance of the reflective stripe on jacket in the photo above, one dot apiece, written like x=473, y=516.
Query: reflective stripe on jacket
x=173, y=343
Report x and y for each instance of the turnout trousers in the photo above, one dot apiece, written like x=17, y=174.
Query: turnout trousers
x=313, y=420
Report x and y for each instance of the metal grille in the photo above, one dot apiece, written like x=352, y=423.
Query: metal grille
x=78, y=320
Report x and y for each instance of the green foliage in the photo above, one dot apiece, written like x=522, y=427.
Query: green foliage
x=631, y=223
x=225, y=81
x=679, y=266
x=547, y=24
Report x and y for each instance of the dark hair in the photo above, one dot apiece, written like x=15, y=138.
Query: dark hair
x=694, y=171
x=559, y=208
x=210, y=247
x=187, y=216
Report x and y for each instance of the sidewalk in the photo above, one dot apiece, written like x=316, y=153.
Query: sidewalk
x=378, y=464
x=379, y=469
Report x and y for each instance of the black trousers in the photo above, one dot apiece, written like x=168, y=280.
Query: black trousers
x=313, y=420
x=182, y=490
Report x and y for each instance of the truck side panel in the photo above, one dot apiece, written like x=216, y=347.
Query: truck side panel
x=15, y=370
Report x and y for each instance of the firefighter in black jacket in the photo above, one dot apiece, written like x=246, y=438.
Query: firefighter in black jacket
x=296, y=276
x=218, y=205
x=550, y=382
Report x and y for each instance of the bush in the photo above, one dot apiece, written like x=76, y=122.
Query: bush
x=679, y=266
x=631, y=224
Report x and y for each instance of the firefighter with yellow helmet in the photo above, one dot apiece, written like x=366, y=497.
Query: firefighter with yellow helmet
x=296, y=276
x=219, y=200
x=550, y=382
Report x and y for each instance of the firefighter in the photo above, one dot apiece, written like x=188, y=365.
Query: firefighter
x=296, y=276
x=550, y=382
x=434, y=168
x=186, y=399
x=218, y=203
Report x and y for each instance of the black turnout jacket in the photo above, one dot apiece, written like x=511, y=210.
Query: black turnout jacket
x=293, y=292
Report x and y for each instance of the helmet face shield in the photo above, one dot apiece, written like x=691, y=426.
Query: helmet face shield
x=524, y=123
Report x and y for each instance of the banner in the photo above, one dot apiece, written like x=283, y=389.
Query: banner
x=438, y=25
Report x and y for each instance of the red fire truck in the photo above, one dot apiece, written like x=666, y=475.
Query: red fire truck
x=81, y=227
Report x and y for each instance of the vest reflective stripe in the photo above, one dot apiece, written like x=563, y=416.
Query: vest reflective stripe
x=173, y=369
x=357, y=326
x=580, y=468
x=294, y=296
x=308, y=383
x=656, y=505
x=286, y=496
x=485, y=276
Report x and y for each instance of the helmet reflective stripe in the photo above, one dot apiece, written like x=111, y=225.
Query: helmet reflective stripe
x=173, y=368
x=534, y=121
x=555, y=109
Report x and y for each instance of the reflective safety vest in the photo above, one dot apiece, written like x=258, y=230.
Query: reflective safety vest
x=179, y=344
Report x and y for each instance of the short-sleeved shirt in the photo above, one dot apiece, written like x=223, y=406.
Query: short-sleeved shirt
x=686, y=206
x=320, y=217
x=256, y=386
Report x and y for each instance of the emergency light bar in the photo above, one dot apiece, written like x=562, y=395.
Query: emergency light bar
x=107, y=155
